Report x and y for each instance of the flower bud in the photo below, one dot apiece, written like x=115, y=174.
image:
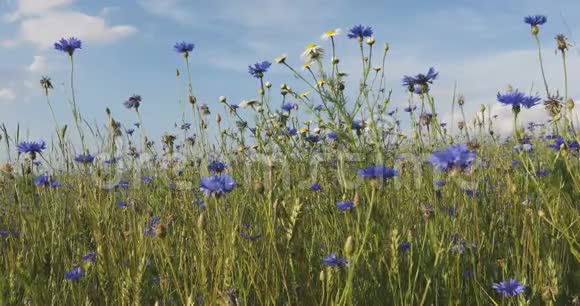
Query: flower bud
x=335, y=61
x=349, y=247
x=218, y=119
x=482, y=108
x=192, y=99
x=268, y=84
x=370, y=41
x=222, y=99
x=570, y=104
x=386, y=47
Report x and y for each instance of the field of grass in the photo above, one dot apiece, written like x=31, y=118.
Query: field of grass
x=321, y=197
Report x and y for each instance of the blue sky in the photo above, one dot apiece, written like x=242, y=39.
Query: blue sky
x=481, y=45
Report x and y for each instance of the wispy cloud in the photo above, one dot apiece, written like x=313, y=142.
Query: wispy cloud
x=7, y=96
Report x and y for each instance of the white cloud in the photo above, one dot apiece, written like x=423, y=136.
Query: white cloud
x=35, y=8
x=44, y=31
x=43, y=22
x=39, y=64
x=7, y=95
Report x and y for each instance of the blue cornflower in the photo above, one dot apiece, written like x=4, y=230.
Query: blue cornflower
x=316, y=186
x=391, y=113
x=420, y=83
x=31, y=147
x=146, y=179
x=409, y=109
x=134, y=101
x=84, y=158
x=46, y=181
x=183, y=48
x=404, y=246
x=356, y=125
x=217, y=166
x=259, y=69
x=453, y=157
x=332, y=135
x=333, y=261
x=68, y=45
x=555, y=142
x=517, y=99
x=122, y=204
x=313, y=138
x=217, y=184
x=318, y=107
x=91, y=256
x=151, y=228
x=509, y=288
x=535, y=20
x=345, y=205
x=526, y=147
x=359, y=32
x=377, y=172
x=130, y=132
x=186, y=126
x=75, y=273
x=289, y=106
x=439, y=183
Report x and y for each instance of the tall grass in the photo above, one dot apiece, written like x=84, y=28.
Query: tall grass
x=423, y=237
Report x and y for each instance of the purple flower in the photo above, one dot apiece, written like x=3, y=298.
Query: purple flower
x=356, y=125
x=332, y=135
x=151, y=227
x=183, y=48
x=75, y=273
x=84, y=158
x=509, y=288
x=217, y=184
x=404, y=246
x=359, y=32
x=345, y=205
x=31, y=147
x=68, y=45
x=46, y=181
x=316, y=186
x=333, y=261
x=259, y=69
x=517, y=99
x=377, y=172
x=289, y=106
x=217, y=166
x=134, y=101
x=453, y=157
x=420, y=82
x=535, y=20
x=410, y=109
x=91, y=256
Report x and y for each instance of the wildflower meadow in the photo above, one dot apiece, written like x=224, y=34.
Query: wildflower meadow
x=317, y=191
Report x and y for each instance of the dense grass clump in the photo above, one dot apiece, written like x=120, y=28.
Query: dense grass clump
x=317, y=201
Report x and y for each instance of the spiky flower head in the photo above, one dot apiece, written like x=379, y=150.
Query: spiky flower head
x=30, y=147
x=359, y=32
x=509, y=288
x=562, y=43
x=134, y=101
x=420, y=83
x=68, y=45
x=377, y=172
x=45, y=83
x=183, y=48
x=259, y=69
x=217, y=184
x=535, y=21
x=331, y=33
x=517, y=99
x=455, y=157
